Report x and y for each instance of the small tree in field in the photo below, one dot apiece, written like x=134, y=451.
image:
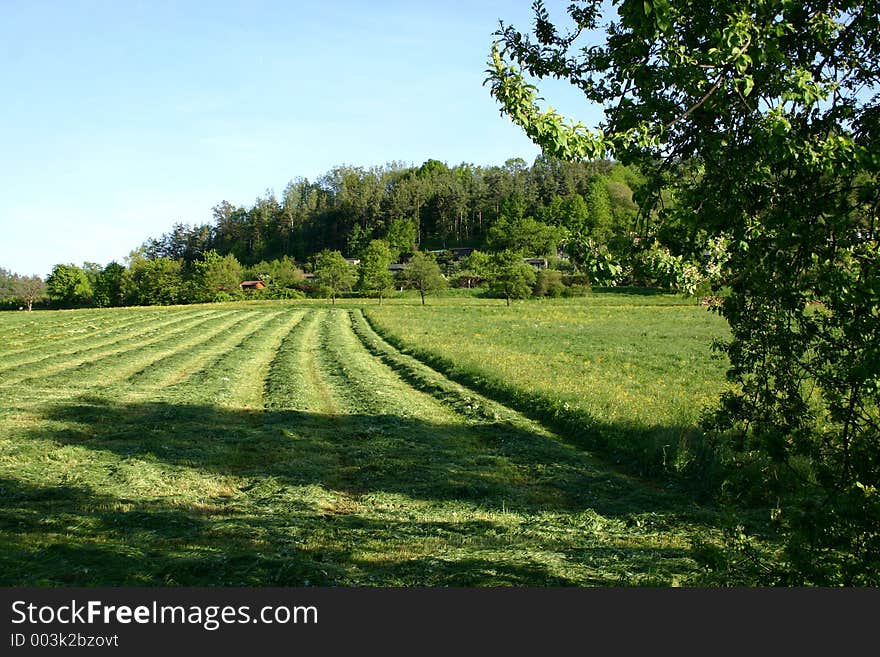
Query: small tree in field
x=333, y=274
x=29, y=289
x=375, y=277
x=423, y=274
x=510, y=277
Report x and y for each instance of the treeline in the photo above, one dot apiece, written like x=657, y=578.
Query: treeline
x=154, y=281
x=428, y=207
x=582, y=218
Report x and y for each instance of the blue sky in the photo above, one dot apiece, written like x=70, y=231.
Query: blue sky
x=121, y=118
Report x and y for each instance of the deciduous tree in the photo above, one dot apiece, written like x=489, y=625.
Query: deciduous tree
x=154, y=282
x=29, y=289
x=763, y=118
x=510, y=277
x=423, y=274
x=215, y=274
x=110, y=286
x=68, y=286
x=401, y=237
x=333, y=274
x=526, y=235
x=374, y=277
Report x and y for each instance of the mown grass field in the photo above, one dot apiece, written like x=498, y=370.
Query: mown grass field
x=287, y=443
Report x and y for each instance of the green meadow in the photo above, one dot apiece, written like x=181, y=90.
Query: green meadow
x=628, y=375
x=462, y=443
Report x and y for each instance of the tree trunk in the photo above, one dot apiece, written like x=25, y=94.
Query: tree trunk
x=422, y=294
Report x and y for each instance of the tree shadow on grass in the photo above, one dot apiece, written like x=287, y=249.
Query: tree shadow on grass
x=72, y=536
x=492, y=464
x=287, y=498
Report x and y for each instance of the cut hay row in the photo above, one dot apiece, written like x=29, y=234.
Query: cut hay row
x=69, y=328
x=78, y=362
x=229, y=375
x=169, y=370
x=129, y=336
x=292, y=381
x=93, y=333
x=252, y=365
x=175, y=361
x=120, y=366
x=364, y=384
x=357, y=385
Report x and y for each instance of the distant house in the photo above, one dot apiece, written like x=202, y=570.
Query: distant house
x=396, y=266
x=252, y=285
x=353, y=261
x=461, y=252
x=537, y=263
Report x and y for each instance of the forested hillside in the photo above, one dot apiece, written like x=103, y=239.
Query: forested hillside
x=432, y=206
x=579, y=220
